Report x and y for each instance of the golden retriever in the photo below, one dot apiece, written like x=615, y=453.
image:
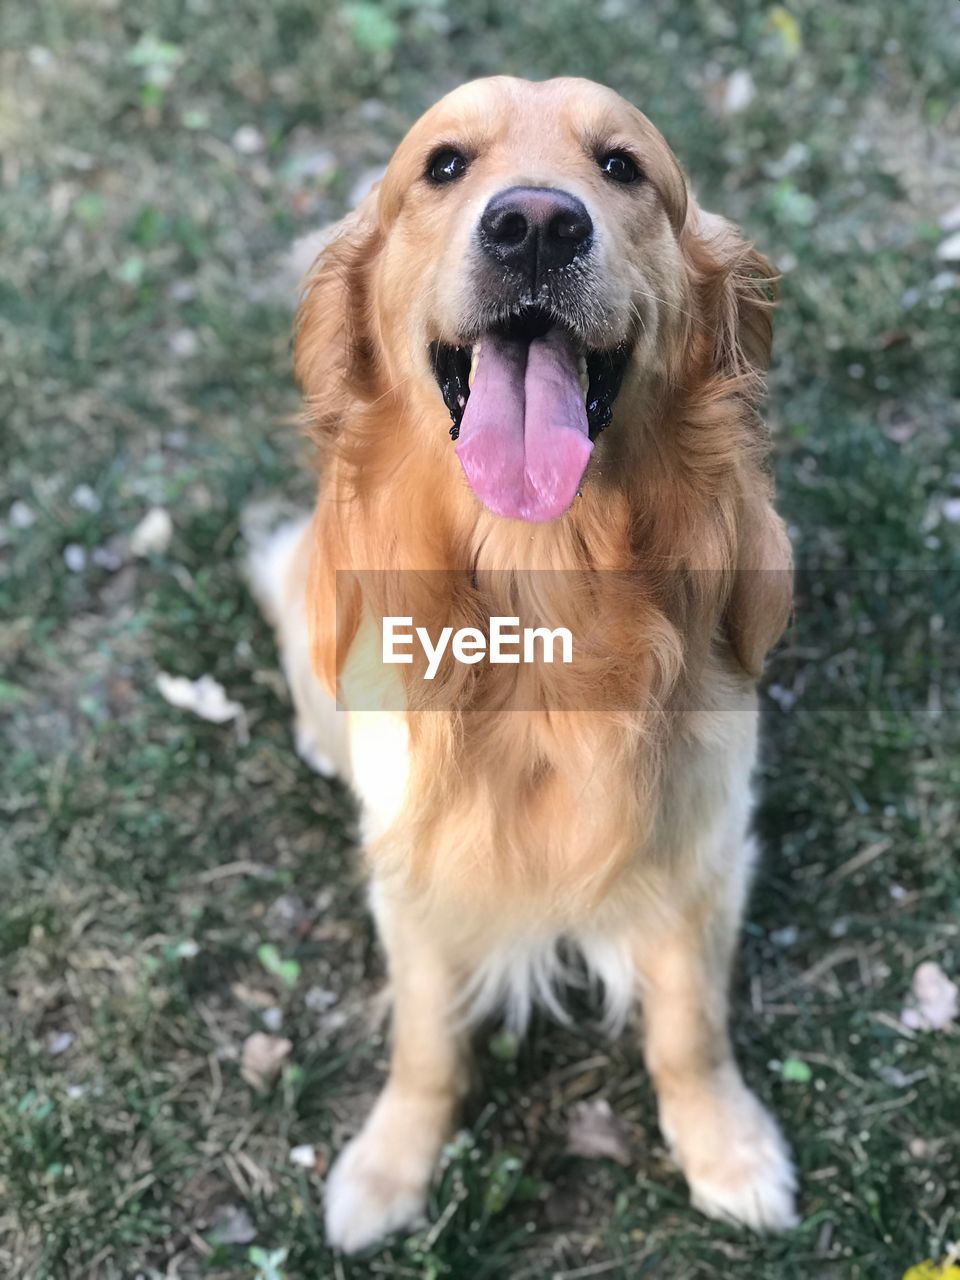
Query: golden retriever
x=533, y=268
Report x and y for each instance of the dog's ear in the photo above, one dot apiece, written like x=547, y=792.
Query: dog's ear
x=735, y=287
x=335, y=359
x=761, y=591
x=737, y=291
x=335, y=364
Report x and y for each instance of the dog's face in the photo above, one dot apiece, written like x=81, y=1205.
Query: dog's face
x=531, y=251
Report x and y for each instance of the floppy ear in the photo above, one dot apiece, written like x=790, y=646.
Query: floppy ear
x=334, y=356
x=737, y=291
x=737, y=287
x=335, y=365
x=761, y=593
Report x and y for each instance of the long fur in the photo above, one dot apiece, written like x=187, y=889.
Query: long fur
x=657, y=548
x=516, y=816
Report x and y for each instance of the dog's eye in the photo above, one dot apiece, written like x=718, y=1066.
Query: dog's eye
x=446, y=165
x=619, y=167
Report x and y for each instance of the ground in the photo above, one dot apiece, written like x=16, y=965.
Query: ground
x=173, y=885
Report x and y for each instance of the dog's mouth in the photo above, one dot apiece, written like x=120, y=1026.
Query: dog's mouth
x=527, y=404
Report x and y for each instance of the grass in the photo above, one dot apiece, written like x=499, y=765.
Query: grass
x=147, y=856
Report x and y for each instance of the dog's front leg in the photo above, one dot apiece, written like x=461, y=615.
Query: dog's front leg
x=379, y=1184
x=728, y=1145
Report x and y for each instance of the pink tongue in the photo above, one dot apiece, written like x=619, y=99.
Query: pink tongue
x=524, y=441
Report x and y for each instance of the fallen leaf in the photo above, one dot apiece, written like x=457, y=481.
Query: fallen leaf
x=285, y=915
x=253, y=997
x=153, y=534
x=113, y=554
x=931, y=1270
x=157, y=57
x=205, y=697
x=739, y=91
x=319, y=999
x=306, y=1156
x=595, y=1133
x=288, y=971
x=504, y=1045
x=232, y=1225
x=262, y=1058
x=268, y=1262
x=59, y=1042
x=782, y=21
x=937, y=999
x=503, y=1178
x=796, y=1071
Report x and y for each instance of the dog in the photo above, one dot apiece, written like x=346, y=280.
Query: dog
x=533, y=277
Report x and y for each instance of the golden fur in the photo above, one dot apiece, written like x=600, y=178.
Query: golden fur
x=495, y=831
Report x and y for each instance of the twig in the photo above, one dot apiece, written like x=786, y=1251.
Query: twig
x=859, y=860
x=242, y=868
x=598, y=1268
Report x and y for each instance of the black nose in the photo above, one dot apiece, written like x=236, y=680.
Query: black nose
x=535, y=230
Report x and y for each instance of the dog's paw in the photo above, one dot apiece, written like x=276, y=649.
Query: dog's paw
x=371, y=1192
x=756, y=1186
x=739, y=1168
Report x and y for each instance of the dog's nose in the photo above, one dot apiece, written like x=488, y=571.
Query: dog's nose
x=535, y=230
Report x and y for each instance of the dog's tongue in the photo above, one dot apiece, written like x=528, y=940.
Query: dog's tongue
x=524, y=441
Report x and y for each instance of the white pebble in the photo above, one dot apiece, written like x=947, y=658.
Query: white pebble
x=85, y=499
x=248, y=140
x=949, y=249
x=319, y=999
x=74, y=557
x=183, y=344
x=305, y=1156
x=152, y=535
x=21, y=516
x=272, y=1018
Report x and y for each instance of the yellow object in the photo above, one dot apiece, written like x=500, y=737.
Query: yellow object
x=786, y=26
x=930, y=1270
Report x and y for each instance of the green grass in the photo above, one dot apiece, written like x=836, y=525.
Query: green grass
x=147, y=857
